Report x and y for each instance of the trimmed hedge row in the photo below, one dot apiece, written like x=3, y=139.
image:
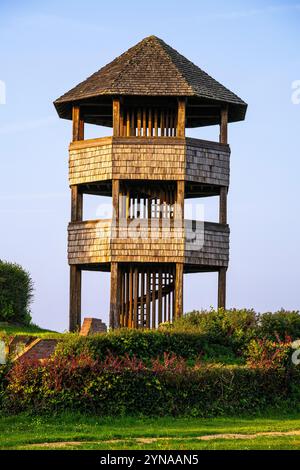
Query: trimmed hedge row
x=241, y=325
x=146, y=345
x=129, y=387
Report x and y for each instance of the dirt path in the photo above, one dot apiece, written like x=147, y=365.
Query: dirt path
x=149, y=440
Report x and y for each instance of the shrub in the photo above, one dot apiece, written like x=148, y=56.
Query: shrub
x=267, y=353
x=119, y=386
x=144, y=345
x=232, y=328
x=16, y=290
x=279, y=324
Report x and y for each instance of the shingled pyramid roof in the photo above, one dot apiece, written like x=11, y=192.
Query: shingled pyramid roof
x=152, y=68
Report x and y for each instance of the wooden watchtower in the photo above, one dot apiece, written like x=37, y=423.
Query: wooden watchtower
x=148, y=96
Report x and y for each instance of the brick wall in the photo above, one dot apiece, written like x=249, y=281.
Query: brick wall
x=92, y=326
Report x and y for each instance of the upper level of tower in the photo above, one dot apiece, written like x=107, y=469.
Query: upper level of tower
x=150, y=84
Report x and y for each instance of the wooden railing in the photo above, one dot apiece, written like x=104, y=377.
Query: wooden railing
x=147, y=122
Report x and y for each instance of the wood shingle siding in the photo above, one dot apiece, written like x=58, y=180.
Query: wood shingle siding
x=160, y=158
x=99, y=241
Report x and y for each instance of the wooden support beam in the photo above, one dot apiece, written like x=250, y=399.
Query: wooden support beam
x=179, y=202
x=115, y=199
x=178, y=290
x=75, y=298
x=223, y=205
x=180, y=132
x=222, y=288
x=76, y=204
x=78, y=287
x=224, y=125
x=114, y=314
x=78, y=124
x=116, y=117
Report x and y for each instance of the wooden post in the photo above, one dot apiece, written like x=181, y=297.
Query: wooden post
x=115, y=199
x=78, y=124
x=76, y=204
x=223, y=205
x=180, y=132
x=116, y=117
x=224, y=125
x=179, y=203
x=75, y=298
x=114, y=314
x=179, y=290
x=222, y=288
x=75, y=271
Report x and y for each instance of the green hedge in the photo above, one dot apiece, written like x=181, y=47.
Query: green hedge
x=147, y=345
x=131, y=388
x=231, y=327
x=279, y=325
x=16, y=290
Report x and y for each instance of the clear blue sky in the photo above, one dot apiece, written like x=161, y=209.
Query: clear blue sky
x=252, y=47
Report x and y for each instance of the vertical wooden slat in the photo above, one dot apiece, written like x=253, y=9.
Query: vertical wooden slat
x=172, y=122
x=127, y=212
x=174, y=287
x=122, y=297
x=224, y=126
x=121, y=133
x=149, y=204
x=159, y=296
x=126, y=299
x=116, y=117
x=153, y=299
x=175, y=123
x=144, y=122
x=148, y=289
x=139, y=122
x=142, y=310
x=162, y=123
x=127, y=123
x=132, y=122
x=181, y=117
x=135, y=297
x=130, y=321
x=150, y=125
x=167, y=122
x=138, y=207
x=165, y=297
x=156, y=122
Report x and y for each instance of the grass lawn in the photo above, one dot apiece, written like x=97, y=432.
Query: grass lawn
x=8, y=329
x=73, y=431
